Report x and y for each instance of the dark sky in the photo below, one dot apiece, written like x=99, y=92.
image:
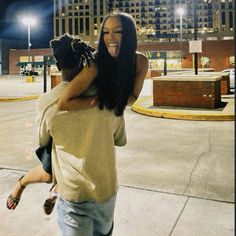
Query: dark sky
x=11, y=11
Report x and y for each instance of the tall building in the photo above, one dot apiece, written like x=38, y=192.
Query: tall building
x=157, y=20
x=79, y=17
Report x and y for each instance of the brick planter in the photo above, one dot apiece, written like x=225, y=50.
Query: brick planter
x=225, y=85
x=193, y=91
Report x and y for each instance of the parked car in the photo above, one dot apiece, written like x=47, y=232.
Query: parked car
x=231, y=76
x=27, y=73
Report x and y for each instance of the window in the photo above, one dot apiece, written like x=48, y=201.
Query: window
x=231, y=19
x=70, y=26
x=76, y=26
x=57, y=27
x=205, y=61
x=87, y=26
x=57, y=8
x=223, y=18
x=81, y=25
x=63, y=26
x=63, y=6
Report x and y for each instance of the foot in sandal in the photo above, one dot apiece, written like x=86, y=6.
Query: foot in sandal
x=50, y=201
x=14, y=198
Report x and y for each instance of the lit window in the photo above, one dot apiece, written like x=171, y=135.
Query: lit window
x=231, y=60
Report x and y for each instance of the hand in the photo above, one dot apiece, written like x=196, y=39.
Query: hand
x=85, y=102
x=83, y=51
x=93, y=101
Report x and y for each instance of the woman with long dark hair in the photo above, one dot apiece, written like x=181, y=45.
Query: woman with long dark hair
x=118, y=71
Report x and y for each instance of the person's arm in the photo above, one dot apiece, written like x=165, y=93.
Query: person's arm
x=70, y=99
x=142, y=68
x=43, y=131
x=120, y=133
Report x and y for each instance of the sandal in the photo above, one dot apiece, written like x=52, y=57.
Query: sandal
x=49, y=204
x=12, y=201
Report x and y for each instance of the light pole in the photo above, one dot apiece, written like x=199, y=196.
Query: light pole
x=195, y=26
x=180, y=11
x=29, y=21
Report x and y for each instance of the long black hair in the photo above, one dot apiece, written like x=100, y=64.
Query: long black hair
x=115, y=80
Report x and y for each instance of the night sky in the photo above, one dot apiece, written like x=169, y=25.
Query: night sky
x=12, y=28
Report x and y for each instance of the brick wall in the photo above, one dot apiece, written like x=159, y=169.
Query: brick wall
x=15, y=54
x=225, y=85
x=217, y=51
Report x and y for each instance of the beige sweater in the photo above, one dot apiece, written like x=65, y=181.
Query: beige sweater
x=83, y=155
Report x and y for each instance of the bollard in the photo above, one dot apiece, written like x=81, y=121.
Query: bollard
x=30, y=79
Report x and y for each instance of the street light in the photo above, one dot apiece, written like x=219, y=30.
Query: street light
x=29, y=21
x=180, y=11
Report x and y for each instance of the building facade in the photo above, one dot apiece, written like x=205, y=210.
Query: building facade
x=215, y=54
x=158, y=25
x=5, y=45
x=157, y=20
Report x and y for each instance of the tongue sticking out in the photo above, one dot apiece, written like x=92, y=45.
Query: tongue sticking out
x=113, y=50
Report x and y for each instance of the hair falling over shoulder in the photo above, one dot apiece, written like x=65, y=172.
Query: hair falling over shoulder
x=115, y=80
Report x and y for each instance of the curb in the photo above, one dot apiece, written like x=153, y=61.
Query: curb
x=18, y=99
x=137, y=107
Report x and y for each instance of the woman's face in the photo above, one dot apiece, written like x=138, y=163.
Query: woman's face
x=112, y=31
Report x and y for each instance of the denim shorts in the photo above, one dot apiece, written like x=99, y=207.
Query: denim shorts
x=86, y=218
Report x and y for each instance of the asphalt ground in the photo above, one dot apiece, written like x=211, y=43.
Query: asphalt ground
x=176, y=177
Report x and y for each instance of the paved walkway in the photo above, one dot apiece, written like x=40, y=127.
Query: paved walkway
x=15, y=88
x=176, y=177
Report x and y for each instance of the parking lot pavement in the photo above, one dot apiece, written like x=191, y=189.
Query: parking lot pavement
x=18, y=87
x=176, y=177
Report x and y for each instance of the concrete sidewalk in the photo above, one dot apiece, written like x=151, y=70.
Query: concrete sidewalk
x=15, y=88
x=176, y=177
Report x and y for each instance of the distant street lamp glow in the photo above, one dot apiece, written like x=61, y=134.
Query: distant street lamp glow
x=29, y=21
x=180, y=11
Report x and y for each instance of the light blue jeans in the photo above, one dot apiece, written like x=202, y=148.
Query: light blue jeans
x=86, y=218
